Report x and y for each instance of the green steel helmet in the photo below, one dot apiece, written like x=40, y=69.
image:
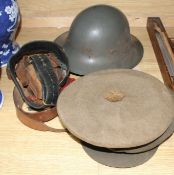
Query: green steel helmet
x=99, y=38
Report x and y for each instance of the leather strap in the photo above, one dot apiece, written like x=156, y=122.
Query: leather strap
x=34, y=120
x=39, y=114
x=35, y=48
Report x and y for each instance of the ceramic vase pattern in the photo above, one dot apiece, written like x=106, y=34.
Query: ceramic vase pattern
x=1, y=98
x=9, y=21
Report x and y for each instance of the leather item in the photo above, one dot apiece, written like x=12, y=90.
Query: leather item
x=34, y=120
x=39, y=71
x=18, y=67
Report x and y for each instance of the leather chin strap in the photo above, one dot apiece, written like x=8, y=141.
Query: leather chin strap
x=34, y=120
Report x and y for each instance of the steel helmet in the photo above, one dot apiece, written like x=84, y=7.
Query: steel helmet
x=99, y=38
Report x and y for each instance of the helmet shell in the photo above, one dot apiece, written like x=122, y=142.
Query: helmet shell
x=99, y=38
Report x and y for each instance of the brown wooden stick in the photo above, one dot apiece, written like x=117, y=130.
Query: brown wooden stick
x=155, y=25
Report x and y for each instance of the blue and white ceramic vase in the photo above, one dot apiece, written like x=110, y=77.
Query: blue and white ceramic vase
x=9, y=21
x=1, y=98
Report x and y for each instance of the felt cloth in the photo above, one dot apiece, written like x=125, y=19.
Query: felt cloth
x=141, y=116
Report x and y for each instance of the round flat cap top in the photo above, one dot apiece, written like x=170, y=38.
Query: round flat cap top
x=116, y=108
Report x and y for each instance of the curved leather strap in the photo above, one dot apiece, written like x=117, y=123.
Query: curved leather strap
x=34, y=120
x=37, y=47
